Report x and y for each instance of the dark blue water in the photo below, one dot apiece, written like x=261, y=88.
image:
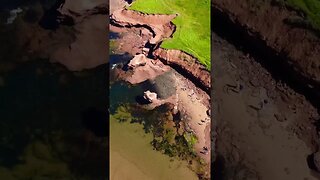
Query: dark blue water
x=120, y=59
x=113, y=35
x=122, y=93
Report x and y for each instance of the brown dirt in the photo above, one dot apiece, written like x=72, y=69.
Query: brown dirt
x=264, y=130
x=266, y=22
x=160, y=25
x=194, y=103
x=132, y=39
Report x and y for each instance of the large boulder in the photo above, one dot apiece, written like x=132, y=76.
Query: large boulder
x=150, y=96
x=138, y=60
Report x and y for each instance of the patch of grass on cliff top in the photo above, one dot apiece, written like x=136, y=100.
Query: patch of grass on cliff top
x=193, y=24
x=310, y=7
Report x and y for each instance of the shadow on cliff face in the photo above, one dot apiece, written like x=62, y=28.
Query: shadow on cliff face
x=65, y=111
x=218, y=168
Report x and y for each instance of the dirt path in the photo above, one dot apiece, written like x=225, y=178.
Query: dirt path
x=265, y=129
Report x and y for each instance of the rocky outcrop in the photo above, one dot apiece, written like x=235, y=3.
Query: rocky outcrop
x=159, y=25
x=150, y=96
x=187, y=66
x=141, y=68
x=138, y=60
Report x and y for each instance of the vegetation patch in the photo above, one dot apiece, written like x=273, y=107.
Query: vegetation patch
x=166, y=137
x=192, y=33
x=112, y=46
x=122, y=114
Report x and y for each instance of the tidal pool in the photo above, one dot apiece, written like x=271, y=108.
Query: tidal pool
x=131, y=154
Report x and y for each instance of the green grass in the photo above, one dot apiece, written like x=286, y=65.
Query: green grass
x=310, y=7
x=193, y=25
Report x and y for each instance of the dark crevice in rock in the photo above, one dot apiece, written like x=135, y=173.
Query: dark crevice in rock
x=114, y=23
x=181, y=70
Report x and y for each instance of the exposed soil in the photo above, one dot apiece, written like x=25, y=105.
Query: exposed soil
x=271, y=78
x=160, y=25
x=264, y=129
x=129, y=41
x=264, y=26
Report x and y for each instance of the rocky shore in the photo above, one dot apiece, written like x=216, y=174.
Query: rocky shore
x=161, y=28
x=190, y=99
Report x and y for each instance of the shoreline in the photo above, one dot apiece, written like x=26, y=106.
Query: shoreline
x=192, y=101
x=189, y=66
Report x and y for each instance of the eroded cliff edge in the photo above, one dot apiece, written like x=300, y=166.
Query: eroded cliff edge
x=162, y=29
x=292, y=51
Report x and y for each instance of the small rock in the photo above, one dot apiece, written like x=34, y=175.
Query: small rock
x=145, y=49
x=138, y=60
x=150, y=96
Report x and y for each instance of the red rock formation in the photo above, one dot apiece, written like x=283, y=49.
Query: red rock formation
x=187, y=65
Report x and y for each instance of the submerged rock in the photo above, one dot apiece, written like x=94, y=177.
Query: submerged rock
x=150, y=96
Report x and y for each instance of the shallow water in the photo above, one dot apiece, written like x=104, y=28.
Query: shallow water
x=132, y=156
x=131, y=153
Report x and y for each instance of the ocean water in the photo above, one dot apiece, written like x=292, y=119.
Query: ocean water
x=131, y=154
